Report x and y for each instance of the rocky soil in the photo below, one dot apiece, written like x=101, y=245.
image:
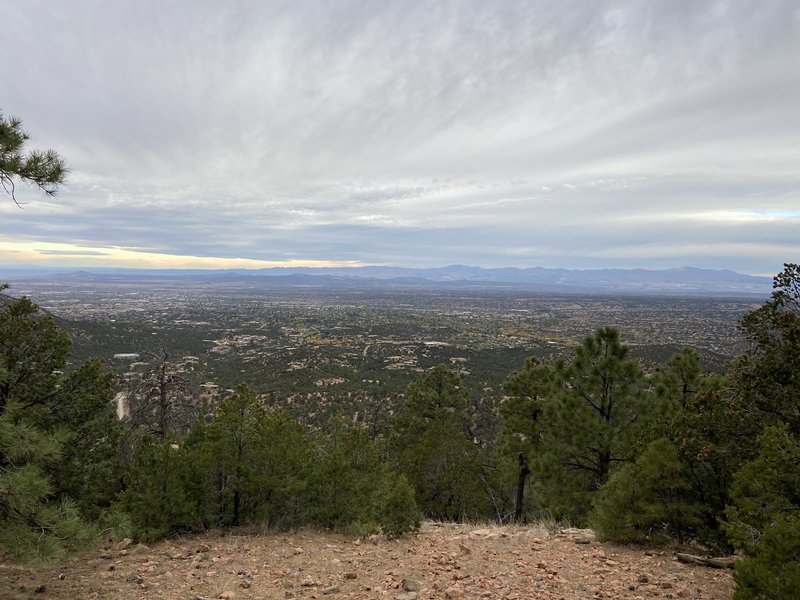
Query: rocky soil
x=442, y=561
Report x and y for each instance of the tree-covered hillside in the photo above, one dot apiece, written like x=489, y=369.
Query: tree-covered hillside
x=586, y=437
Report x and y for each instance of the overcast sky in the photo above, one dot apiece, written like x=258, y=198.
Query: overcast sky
x=576, y=134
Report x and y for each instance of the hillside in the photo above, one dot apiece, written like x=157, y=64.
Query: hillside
x=443, y=560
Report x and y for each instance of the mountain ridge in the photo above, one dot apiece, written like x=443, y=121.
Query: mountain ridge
x=680, y=281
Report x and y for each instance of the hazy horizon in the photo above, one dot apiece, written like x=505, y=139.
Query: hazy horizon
x=611, y=134
x=256, y=265
x=5, y=268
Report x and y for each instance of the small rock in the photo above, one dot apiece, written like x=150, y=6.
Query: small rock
x=350, y=575
x=227, y=595
x=245, y=583
x=331, y=589
x=308, y=582
x=203, y=548
x=134, y=578
x=407, y=596
x=297, y=551
x=409, y=585
x=453, y=592
x=643, y=579
x=125, y=543
x=583, y=540
x=40, y=589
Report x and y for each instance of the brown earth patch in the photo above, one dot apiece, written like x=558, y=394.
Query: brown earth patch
x=442, y=561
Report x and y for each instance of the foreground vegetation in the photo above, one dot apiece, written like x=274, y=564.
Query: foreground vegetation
x=640, y=456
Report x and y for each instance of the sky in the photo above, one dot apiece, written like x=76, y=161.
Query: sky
x=554, y=133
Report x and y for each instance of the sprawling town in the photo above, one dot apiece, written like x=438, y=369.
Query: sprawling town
x=318, y=350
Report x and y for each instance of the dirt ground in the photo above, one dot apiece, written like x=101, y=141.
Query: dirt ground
x=442, y=561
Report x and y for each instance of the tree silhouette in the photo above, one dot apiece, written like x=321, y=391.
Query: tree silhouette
x=43, y=168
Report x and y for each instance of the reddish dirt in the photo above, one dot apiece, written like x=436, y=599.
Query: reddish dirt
x=442, y=561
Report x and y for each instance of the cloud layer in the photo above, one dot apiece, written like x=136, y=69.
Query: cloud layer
x=570, y=134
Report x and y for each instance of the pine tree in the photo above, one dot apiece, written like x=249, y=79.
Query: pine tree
x=43, y=422
x=234, y=438
x=444, y=467
x=348, y=472
x=768, y=375
x=594, y=421
x=157, y=495
x=399, y=514
x=714, y=433
x=763, y=519
x=89, y=471
x=772, y=572
x=521, y=412
x=34, y=351
x=283, y=470
x=646, y=500
x=765, y=489
x=437, y=396
x=430, y=443
x=43, y=169
x=253, y=464
x=680, y=378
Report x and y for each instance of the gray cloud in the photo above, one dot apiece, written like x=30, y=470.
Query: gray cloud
x=611, y=133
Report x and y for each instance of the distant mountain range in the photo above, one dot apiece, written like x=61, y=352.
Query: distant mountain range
x=682, y=281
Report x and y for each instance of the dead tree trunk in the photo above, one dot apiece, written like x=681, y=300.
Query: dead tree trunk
x=524, y=472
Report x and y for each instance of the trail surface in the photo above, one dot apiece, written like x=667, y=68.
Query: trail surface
x=442, y=561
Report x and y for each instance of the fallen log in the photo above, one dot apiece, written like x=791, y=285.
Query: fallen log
x=727, y=562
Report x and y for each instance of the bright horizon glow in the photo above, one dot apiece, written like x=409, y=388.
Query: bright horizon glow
x=48, y=254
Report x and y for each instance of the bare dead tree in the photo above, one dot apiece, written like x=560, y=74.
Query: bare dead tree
x=160, y=397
